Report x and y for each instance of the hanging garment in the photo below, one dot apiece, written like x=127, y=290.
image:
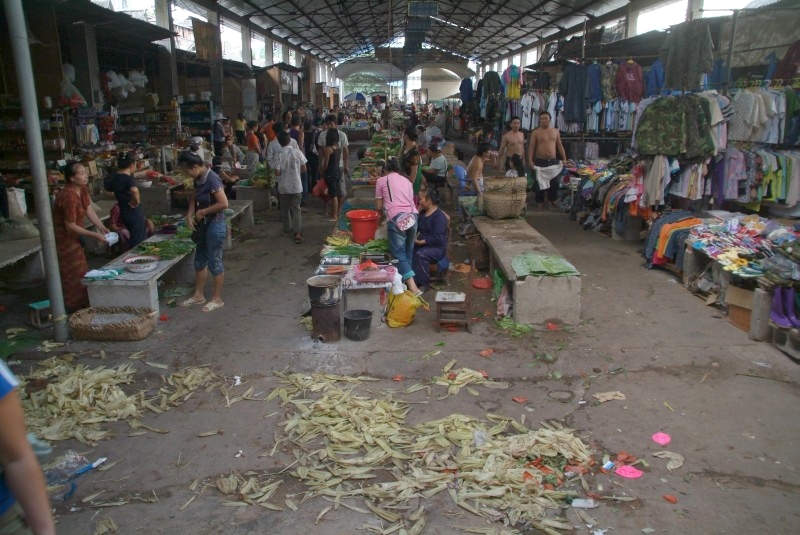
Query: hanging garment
x=741, y=124
x=608, y=80
x=687, y=53
x=594, y=92
x=573, y=87
x=492, y=85
x=528, y=105
x=465, y=89
x=662, y=128
x=630, y=82
x=512, y=82
x=655, y=78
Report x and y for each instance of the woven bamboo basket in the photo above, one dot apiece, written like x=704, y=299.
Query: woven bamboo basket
x=478, y=251
x=112, y=323
x=504, y=205
x=506, y=184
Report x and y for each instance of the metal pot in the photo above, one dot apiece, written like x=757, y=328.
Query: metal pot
x=324, y=289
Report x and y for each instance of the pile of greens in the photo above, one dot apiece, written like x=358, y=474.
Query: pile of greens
x=167, y=249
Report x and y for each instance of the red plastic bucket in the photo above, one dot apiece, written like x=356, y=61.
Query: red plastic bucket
x=363, y=224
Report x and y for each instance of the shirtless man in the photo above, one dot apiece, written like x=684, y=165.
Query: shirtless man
x=544, y=145
x=513, y=143
x=475, y=167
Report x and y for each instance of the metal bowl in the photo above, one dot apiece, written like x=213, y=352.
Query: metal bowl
x=141, y=263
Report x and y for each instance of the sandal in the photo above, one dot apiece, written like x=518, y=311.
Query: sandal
x=192, y=301
x=212, y=305
x=298, y=239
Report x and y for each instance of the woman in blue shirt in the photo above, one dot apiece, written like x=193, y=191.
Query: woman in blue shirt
x=432, y=237
x=22, y=479
x=127, y=194
x=206, y=219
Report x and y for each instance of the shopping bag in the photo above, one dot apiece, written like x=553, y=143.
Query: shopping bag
x=17, y=205
x=403, y=307
x=320, y=189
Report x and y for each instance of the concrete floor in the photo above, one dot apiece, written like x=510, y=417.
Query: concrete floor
x=729, y=403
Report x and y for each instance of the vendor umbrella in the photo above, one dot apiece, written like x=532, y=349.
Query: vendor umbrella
x=355, y=97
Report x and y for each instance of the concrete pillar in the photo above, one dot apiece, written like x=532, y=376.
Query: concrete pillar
x=630, y=27
x=83, y=48
x=268, y=47
x=247, y=51
x=693, y=9
x=167, y=61
x=215, y=65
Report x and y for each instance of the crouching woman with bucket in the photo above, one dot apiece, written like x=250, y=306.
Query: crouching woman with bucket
x=394, y=200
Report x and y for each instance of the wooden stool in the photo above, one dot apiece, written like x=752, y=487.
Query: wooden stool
x=39, y=314
x=452, y=307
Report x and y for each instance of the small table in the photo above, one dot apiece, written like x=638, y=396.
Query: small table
x=363, y=295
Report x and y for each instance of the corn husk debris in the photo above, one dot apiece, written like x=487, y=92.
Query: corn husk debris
x=63, y=400
x=348, y=442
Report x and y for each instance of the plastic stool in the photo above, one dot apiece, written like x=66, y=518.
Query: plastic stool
x=39, y=314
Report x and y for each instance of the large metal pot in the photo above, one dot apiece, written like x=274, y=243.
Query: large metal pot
x=324, y=289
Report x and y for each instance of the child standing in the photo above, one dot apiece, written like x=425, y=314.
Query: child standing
x=289, y=166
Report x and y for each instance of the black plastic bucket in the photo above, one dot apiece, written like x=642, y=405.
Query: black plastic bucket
x=356, y=324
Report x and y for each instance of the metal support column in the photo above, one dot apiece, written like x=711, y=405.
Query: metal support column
x=18, y=34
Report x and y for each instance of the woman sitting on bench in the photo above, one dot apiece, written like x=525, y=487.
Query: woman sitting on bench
x=432, y=237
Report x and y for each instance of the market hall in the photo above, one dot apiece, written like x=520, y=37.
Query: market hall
x=447, y=267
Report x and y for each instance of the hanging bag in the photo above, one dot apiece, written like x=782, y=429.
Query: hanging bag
x=404, y=220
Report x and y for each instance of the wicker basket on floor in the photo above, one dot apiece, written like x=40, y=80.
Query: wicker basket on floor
x=478, y=251
x=517, y=185
x=112, y=323
x=504, y=205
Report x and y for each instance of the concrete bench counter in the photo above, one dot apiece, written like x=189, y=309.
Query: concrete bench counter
x=242, y=214
x=138, y=289
x=536, y=299
x=21, y=261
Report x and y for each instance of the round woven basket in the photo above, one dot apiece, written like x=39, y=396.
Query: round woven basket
x=112, y=323
x=504, y=205
x=478, y=251
x=506, y=184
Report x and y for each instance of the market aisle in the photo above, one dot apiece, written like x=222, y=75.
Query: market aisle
x=683, y=369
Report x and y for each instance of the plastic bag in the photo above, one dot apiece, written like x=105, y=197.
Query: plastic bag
x=69, y=95
x=499, y=282
x=320, y=189
x=504, y=303
x=138, y=79
x=403, y=307
x=69, y=71
x=61, y=473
